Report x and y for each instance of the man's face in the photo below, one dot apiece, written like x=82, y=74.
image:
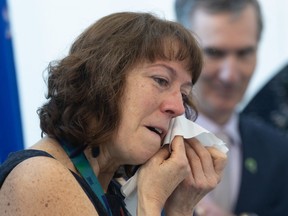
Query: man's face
x=229, y=44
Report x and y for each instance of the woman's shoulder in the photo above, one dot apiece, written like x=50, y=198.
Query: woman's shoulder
x=43, y=186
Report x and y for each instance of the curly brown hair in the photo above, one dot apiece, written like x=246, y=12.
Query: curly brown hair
x=85, y=88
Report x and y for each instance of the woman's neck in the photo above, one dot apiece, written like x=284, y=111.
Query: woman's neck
x=102, y=165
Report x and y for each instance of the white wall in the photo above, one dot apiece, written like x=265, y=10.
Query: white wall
x=44, y=29
x=273, y=50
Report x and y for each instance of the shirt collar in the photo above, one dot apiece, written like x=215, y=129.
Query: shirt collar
x=231, y=126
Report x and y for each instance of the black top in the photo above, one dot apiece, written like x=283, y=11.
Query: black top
x=114, y=196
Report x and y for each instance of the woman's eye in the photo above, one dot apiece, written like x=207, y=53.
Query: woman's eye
x=161, y=81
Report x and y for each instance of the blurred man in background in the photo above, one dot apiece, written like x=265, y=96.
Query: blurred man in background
x=254, y=181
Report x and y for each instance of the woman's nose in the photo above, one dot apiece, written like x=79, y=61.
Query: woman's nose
x=173, y=104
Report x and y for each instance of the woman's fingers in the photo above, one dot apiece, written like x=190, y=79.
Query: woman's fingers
x=178, y=149
x=203, y=155
x=162, y=173
x=161, y=155
x=207, y=163
x=219, y=159
x=176, y=152
x=195, y=163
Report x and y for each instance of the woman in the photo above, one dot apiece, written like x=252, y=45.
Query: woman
x=109, y=105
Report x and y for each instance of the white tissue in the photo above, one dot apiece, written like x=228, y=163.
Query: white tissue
x=178, y=126
x=188, y=129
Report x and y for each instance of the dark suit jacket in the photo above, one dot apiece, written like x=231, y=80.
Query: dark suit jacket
x=271, y=102
x=264, y=183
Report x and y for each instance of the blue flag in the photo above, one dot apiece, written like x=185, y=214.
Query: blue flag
x=11, y=138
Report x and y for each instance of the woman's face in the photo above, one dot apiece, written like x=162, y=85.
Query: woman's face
x=153, y=95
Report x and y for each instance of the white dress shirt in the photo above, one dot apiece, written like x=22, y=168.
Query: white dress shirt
x=231, y=129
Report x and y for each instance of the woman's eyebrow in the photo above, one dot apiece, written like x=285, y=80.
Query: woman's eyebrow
x=172, y=71
x=187, y=84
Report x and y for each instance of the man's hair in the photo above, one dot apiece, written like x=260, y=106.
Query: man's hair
x=85, y=88
x=186, y=8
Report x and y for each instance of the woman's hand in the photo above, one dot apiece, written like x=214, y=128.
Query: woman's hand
x=177, y=181
x=205, y=165
x=160, y=176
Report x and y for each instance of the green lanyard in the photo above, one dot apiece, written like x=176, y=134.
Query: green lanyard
x=84, y=168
